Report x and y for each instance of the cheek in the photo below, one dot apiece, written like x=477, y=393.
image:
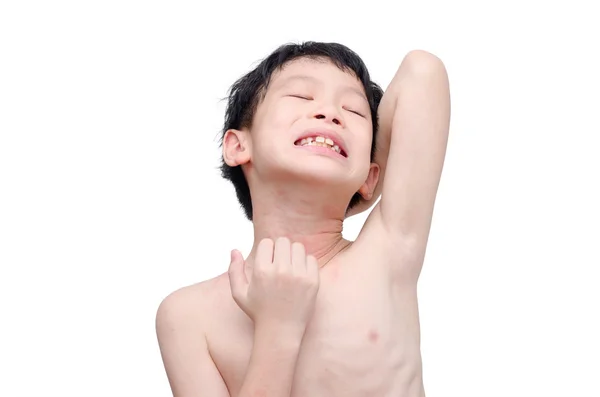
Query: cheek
x=362, y=155
x=364, y=142
x=270, y=128
x=283, y=115
x=269, y=145
x=273, y=112
x=263, y=143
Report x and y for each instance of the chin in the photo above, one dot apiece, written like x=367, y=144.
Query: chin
x=313, y=169
x=319, y=170
x=320, y=179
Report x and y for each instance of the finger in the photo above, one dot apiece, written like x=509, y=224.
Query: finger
x=237, y=276
x=263, y=259
x=298, y=258
x=282, y=257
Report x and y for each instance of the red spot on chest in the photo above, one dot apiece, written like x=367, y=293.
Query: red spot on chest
x=373, y=336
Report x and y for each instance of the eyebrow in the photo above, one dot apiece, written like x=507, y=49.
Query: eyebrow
x=315, y=80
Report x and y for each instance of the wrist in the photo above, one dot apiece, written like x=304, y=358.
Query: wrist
x=280, y=335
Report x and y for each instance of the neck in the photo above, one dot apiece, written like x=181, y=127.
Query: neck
x=311, y=216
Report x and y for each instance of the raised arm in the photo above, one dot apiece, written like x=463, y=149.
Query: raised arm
x=414, y=117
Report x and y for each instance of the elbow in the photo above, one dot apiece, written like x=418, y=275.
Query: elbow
x=420, y=65
x=421, y=61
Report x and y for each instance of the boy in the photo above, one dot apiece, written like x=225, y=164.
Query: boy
x=307, y=313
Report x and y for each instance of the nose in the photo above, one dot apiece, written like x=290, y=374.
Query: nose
x=330, y=115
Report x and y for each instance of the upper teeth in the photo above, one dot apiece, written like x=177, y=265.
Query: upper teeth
x=320, y=141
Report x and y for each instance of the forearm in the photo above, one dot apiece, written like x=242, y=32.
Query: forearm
x=385, y=114
x=413, y=121
x=272, y=364
x=400, y=105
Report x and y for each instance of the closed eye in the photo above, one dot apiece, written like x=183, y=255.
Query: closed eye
x=310, y=99
x=301, y=97
x=357, y=113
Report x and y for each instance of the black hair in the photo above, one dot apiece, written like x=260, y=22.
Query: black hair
x=247, y=93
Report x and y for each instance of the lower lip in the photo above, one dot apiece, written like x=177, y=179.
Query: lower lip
x=321, y=150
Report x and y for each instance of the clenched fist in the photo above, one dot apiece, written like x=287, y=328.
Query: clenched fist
x=283, y=287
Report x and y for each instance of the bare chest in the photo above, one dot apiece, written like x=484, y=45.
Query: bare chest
x=362, y=340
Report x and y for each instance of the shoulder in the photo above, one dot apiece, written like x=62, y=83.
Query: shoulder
x=190, y=304
x=185, y=314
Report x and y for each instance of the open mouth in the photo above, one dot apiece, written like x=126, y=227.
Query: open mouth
x=321, y=142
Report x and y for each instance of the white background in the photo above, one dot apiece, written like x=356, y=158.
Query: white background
x=111, y=198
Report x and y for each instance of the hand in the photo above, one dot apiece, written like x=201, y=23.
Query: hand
x=283, y=288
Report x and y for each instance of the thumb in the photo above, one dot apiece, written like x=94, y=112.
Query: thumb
x=237, y=276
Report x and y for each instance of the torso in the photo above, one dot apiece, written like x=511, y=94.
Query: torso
x=363, y=339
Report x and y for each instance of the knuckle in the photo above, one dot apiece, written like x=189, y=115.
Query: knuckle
x=283, y=271
x=307, y=280
x=304, y=281
x=264, y=270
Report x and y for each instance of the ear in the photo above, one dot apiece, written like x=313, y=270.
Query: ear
x=236, y=147
x=367, y=189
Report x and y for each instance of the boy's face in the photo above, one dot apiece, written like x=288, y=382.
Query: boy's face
x=314, y=125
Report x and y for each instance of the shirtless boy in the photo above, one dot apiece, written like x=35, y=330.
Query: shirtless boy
x=308, y=313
